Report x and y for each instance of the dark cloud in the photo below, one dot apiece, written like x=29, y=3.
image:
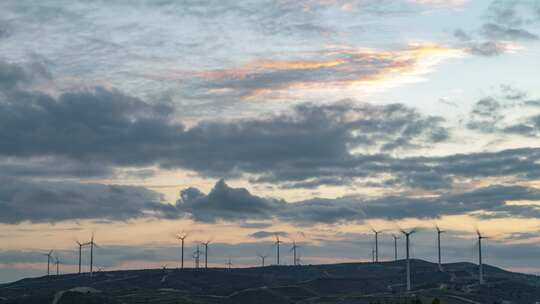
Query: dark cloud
x=44, y=167
x=504, y=21
x=512, y=12
x=267, y=234
x=417, y=172
x=38, y=201
x=255, y=225
x=224, y=203
x=3, y=31
x=462, y=35
x=488, y=115
x=511, y=93
x=532, y=103
x=86, y=126
x=485, y=115
x=495, y=31
x=12, y=75
x=487, y=48
x=529, y=127
x=309, y=146
x=486, y=107
x=110, y=128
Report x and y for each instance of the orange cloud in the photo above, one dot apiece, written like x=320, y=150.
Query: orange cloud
x=335, y=68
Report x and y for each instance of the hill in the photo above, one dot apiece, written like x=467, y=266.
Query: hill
x=353, y=283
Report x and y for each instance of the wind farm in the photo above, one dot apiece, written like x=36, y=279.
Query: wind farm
x=360, y=283
x=393, y=281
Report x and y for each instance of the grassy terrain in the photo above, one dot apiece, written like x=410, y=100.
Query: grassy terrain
x=355, y=283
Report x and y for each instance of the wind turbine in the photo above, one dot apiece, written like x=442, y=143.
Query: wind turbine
x=277, y=247
x=293, y=249
x=182, y=236
x=81, y=245
x=396, y=237
x=299, y=260
x=262, y=257
x=92, y=245
x=206, y=254
x=229, y=263
x=57, y=262
x=407, y=235
x=49, y=256
x=439, y=231
x=197, y=256
x=480, y=265
x=376, y=244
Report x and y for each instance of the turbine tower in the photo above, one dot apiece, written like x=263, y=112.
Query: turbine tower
x=407, y=243
x=396, y=237
x=182, y=236
x=439, y=231
x=49, y=256
x=262, y=257
x=197, y=256
x=57, y=262
x=206, y=254
x=229, y=263
x=81, y=245
x=376, y=244
x=277, y=247
x=480, y=264
x=293, y=249
x=92, y=244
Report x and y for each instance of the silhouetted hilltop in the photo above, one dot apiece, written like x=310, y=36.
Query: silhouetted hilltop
x=336, y=283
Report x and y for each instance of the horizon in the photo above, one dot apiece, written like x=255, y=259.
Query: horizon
x=315, y=120
x=243, y=267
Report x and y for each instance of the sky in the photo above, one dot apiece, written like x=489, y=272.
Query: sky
x=234, y=121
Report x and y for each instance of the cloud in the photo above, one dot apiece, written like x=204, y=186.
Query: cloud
x=462, y=35
x=337, y=68
x=485, y=115
x=109, y=128
x=311, y=145
x=512, y=13
x=133, y=52
x=511, y=93
x=267, y=234
x=415, y=172
x=495, y=31
x=256, y=225
x=39, y=201
x=529, y=127
x=3, y=31
x=532, y=103
x=306, y=147
x=55, y=167
x=490, y=115
x=227, y=203
x=487, y=48
x=478, y=47
x=504, y=23
x=224, y=203
x=12, y=75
